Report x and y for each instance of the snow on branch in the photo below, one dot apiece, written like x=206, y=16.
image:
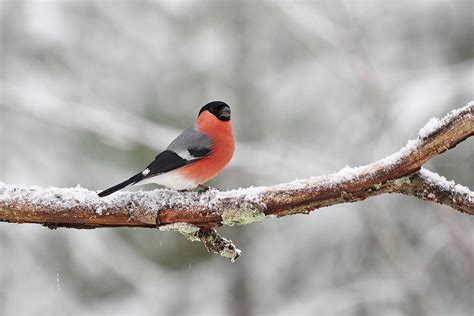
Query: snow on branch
x=195, y=214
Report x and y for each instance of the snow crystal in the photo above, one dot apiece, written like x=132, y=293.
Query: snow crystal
x=434, y=123
x=250, y=194
x=429, y=127
x=406, y=150
x=58, y=281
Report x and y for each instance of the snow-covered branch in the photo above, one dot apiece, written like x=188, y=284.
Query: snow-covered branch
x=430, y=186
x=195, y=214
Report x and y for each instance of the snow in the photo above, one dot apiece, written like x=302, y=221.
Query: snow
x=58, y=281
x=151, y=201
x=69, y=198
x=447, y=185
x=434, y=123
x=250, y=194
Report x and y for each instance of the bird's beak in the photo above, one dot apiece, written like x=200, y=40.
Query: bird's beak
x=225, y=113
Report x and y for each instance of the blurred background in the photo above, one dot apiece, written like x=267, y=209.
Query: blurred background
x=92, y=90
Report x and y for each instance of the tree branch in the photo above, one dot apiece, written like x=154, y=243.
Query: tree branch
x=398, y=173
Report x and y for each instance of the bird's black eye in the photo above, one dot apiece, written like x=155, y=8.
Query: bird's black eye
x=219, y=109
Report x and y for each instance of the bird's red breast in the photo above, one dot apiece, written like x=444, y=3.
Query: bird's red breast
x=223, y=146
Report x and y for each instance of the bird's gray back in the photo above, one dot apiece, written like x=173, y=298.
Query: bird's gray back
x=190, y=138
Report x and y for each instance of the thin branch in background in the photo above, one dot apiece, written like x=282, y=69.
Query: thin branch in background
x=376, y=225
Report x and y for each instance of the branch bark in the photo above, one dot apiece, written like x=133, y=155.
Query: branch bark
x=398, y=173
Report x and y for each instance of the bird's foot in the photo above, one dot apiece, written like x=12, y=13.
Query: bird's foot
x=203, y=188
x=200, y=188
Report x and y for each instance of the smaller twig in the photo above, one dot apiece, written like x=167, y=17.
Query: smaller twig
x=430, y=186
x=213, y=242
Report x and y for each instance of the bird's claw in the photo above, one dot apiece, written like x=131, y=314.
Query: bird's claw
x=203, y=188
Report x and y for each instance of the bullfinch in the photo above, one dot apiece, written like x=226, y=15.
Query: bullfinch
x=197, y=155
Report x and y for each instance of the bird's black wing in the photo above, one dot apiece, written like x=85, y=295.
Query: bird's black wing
x=166, y=161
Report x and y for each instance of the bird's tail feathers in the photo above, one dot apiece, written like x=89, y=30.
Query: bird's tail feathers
x=120, y=186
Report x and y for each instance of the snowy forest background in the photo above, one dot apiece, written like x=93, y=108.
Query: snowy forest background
x=91, y=90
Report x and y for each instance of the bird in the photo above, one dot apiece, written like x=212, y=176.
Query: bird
x=197, y=155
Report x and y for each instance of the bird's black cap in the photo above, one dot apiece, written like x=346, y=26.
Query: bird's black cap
x=220, y=109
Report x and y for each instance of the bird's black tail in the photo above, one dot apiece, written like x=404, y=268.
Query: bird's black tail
x=120, y=186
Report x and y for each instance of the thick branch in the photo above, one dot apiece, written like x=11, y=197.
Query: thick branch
x=397, y=173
